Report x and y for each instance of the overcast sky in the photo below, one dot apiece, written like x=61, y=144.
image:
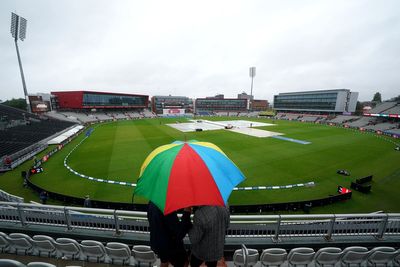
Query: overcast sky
x=202, y=48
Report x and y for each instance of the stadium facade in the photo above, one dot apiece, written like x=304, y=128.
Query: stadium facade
x=325, y=101
x=211, y=104
x=76, y=100
x=171, y=105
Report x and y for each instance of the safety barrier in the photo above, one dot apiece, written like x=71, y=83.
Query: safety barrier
x=260, y=229
x=4, y=196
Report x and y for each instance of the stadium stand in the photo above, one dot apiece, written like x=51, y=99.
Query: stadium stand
x=309, y=118
x=393, y=131
x=71, y=251
x=253, y=114
x=393, y=110
x=81, y=117
x=343, y=119
x=384, y=106
x=133, y=115
x=204, y=113
x=103, y=116
x=290, y=116
x=17, y=138
x=148, y=114
x=15, y=114
x=363, y=121
x=117, y=115
x=222, y=113
x=59, y=116
x=19, y=141
x=381, y=126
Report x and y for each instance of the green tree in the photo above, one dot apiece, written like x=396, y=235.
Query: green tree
x=16, y=103
x=359, y=108
x=377, y=97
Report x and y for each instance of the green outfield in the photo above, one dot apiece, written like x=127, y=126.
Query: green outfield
x=115, y=151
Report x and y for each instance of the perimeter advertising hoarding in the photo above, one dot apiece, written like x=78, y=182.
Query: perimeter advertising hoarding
x=382, y=115
x=173, y=111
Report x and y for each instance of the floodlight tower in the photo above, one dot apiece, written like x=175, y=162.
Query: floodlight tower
x=18, y=31
x=252, y=75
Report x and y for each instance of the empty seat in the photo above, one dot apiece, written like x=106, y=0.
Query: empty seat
x=93, y=250
x=273, y=257
x=4, y=244
x=44, y=245
x=396, y=259
x=328, y=256
x=40, y=264
x=252, y=257
x=68, y=248
x=300, y=256
x=381, y=256
x=118, y=252
x=10, y=263
x=143, y=254
x=20, y=242
x=354, y=255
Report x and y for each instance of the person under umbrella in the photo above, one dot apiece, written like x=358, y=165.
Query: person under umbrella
x=207, y=235
x=166, y=235
x=187, y=174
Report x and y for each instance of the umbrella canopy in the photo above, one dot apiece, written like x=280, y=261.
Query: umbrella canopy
x=184, y=174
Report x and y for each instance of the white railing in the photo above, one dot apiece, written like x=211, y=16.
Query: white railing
x=4, y=196
x=257, y=228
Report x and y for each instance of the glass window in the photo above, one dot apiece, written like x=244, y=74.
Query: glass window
x=90, y=99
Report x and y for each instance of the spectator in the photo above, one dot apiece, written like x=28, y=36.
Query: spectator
x=207, y=235
x=87, y=203
x=43, y=197
x=7, y=161
x=166, y=235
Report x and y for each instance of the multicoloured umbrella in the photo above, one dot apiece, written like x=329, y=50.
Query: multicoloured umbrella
x=184, y=174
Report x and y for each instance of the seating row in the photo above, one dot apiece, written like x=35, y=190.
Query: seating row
x=67, y=248
x=328, y=256
x=14, y=263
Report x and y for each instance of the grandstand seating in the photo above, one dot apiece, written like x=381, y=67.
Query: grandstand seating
x=69, y=249
x=148, y=114
x=343, y=118
x=60, y=116
x=382, y=107
x=381, y=126
x=393, y=131
x=310, y=118
x=205, y=113
x=16, y=138
x=253, y=114
x=393, y=110
x=250, y=259
x=273, y=257
x=103, y=117
x=363, y=121
x=81, y=117
x=144, y=254
x=287, y=116
x=15, y=114
x=134, y=115
x=118, y=252
x=121, y=116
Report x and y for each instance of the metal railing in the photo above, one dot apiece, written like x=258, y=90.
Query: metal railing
x=252, y=227
x=4, y=196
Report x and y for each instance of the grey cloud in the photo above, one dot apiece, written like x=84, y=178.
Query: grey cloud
x=203, y=48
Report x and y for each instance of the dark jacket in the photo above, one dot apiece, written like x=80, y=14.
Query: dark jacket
x=166, y=231
x=207, y=235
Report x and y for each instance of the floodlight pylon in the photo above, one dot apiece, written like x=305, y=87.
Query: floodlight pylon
x=18, y=30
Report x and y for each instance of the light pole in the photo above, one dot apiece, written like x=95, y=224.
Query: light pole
x=18, y=31
x=252, y=75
